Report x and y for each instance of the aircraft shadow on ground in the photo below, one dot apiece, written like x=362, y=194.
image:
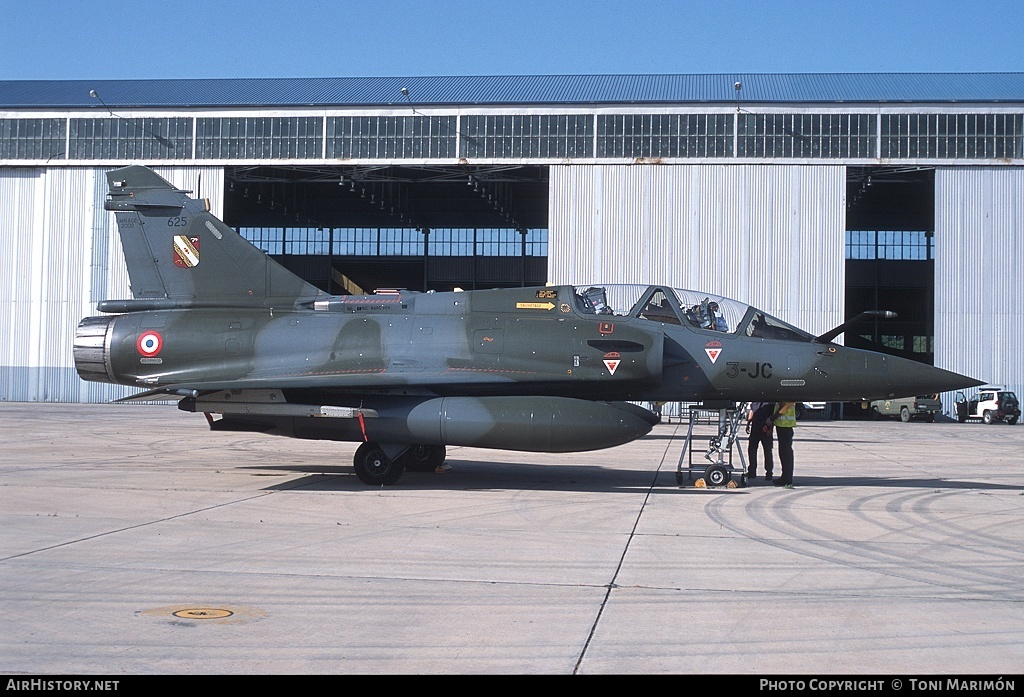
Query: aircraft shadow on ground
x=481, y=474
x=469, y=475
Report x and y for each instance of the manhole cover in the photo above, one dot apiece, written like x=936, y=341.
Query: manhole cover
x=188, y=614
x=203, y=613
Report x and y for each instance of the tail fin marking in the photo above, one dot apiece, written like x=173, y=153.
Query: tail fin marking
x=176, y=249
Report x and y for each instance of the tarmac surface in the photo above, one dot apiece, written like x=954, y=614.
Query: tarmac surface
x=897, y=552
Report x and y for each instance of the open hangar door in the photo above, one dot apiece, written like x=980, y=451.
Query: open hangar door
x=890, y=264
x=355, y=229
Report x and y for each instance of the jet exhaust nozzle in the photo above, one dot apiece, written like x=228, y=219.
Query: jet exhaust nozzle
x=92, y=349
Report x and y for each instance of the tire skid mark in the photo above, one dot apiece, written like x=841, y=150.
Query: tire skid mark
x=998, y=546
x=812, y=542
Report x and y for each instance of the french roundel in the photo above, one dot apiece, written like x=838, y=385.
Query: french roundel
x=150, y=343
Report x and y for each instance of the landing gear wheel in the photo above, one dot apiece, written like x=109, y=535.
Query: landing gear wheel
x=987, y=418
x=374, y=467
x=716, y=475
x=905, y=415
x=424, y=458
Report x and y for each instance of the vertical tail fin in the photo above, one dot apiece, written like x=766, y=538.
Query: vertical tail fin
x=176, y=250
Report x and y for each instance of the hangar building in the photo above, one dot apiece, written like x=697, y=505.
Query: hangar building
x=812, y=196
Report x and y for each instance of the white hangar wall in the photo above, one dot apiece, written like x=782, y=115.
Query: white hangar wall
x=60, y=256
x=769, y=235
x=979, y=267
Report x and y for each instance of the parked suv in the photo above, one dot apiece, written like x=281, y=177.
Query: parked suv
x=990, y=404
x=922, y=408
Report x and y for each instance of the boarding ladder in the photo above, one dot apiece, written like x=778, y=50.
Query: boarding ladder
x=720, y=471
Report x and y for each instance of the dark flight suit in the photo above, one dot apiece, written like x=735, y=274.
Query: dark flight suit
x=760, y=435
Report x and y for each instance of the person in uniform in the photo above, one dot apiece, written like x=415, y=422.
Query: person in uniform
x=784, y=418
x=760, y=436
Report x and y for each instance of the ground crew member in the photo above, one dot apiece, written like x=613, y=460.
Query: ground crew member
x=784, y=418
x=760, y=435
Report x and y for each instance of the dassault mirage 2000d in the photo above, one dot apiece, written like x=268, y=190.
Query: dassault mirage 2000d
x=218, y=325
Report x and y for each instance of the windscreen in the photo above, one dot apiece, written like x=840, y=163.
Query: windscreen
x=696, y=309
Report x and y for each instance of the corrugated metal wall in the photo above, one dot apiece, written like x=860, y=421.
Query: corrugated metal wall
x=772, y=236
x=979, y=267
x=61, y=255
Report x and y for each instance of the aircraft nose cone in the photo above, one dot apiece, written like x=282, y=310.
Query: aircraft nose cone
x=909, y=378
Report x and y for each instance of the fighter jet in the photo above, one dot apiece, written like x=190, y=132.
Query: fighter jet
x=218, y=325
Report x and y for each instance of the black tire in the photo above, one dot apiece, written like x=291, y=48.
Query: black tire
x=875, y=414
x=905, y=415
x=424, y=458
x=374, y=467
x=716, y=475
x=1011, y=420
x=931, y=418
x=988, y=418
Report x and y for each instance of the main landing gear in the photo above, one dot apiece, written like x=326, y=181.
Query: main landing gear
x=375, y=467
x=424, y=458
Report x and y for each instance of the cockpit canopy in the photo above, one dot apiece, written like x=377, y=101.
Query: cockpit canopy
x=703, y=311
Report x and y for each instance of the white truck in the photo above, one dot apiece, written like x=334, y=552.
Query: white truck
x=990, y=405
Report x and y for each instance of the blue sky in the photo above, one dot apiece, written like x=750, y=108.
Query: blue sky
x=75, y=39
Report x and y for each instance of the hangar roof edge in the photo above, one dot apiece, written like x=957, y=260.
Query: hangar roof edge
x=832, y=88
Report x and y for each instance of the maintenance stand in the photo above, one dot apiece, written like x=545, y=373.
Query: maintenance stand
x=721, y=471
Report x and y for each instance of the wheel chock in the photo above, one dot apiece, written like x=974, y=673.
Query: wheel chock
x=700, y=484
